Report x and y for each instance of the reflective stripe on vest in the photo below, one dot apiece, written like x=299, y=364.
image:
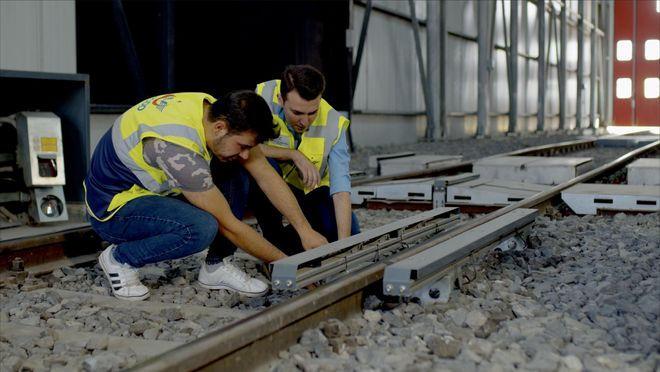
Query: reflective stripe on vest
x=327, y=126
x=119, y=172
x=269, y=94
x=125, y=146
x=330, y=134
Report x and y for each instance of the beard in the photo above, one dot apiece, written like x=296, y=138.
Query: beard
x=227, y=159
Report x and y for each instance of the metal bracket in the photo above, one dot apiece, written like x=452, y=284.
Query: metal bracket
x=438, y=291
x=512, y=243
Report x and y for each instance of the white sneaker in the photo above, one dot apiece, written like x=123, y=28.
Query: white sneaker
x=227, y=276
x=124, y=279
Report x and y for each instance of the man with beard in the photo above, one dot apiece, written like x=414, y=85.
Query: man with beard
x=150, y=193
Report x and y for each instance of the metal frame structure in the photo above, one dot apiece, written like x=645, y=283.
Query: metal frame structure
x=351, y=254
x=557, y=15
x=406, y=276
x=247, y=343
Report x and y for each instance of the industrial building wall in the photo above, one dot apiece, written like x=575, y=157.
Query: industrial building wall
x=388, y=105
x=389, y=102
x=38, y=35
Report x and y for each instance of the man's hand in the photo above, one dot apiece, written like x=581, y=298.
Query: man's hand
x=233, y=229
x=308, y=172
x=311, y=239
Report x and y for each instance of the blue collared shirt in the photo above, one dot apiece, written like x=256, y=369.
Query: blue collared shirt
x=338, y=160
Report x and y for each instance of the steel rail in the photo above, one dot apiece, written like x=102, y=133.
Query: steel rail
x=288, y=274
x=466, y=165
x=249, y=343
x=41, y=249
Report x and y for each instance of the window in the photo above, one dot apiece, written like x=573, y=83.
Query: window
x=651, y=88
x=657, y=6
x=624, y=50
x=623, y=88
x=652, y=49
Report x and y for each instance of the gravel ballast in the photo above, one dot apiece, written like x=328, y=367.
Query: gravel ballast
x=584, y=296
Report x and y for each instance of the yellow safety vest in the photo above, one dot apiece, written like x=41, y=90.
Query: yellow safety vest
x=176, y=118
x=315, y=143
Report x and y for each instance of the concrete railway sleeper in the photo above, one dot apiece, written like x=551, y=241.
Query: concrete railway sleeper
x=247, y=339
x=55, y=249
x=249, y=343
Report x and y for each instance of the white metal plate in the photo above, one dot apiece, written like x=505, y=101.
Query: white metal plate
x=644, y=172
x=415, y=163
x=533, y=169
x=589, y=198
x=491, y=192
x=420, y=189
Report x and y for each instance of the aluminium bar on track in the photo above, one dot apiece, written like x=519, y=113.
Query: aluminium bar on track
x=285, y=271
x=251, y=338
x=400, y=277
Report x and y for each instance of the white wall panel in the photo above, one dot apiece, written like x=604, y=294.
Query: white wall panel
x=499, y=96
x=389, y=75
x=382, y=69
x=462, y=66
x=38, y=35
x=379, y=130
x=462, y=17
x=402, y=6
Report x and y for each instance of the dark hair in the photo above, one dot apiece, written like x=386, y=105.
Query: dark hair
x=305, y=79
x=245, y=110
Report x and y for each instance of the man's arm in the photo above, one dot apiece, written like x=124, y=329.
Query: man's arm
x=279, y=194
x=189, y=172
x=236, y=231
x=308, y=172
x=342, y=203
x=340, y=185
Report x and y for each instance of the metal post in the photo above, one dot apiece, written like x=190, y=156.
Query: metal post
x=540, y=113
x=443, y=71
x=580, y=65
x=483, y=75
x=592, y=68
x=420, y=64
x=513, y=68
x=562, y=65
x=609, y=96
x=603, y=57
x=360, y=50
x=433, y=55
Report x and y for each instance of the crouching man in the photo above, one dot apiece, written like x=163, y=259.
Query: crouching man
x=150, y=193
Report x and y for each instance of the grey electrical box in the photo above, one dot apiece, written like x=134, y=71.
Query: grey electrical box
x=48, y=205
x=40, y=152
x=41, y=156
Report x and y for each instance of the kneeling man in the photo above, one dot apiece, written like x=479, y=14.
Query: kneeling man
x=150, y=193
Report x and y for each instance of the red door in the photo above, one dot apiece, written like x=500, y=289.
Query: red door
x=637, y=62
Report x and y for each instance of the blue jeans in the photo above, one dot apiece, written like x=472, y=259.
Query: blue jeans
x=150, y=229
x=242, y=191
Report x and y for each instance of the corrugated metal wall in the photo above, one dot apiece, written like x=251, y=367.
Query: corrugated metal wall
x=389, y=79
x=389, y=101
x=388, y=104
x=38, y=35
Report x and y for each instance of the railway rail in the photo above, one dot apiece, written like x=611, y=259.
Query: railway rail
x=53, y=250
x=253, y=341
x=248, y=339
